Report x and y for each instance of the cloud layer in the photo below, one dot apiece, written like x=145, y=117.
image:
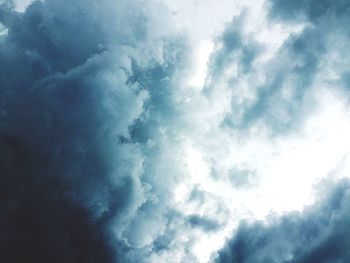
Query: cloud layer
x=77, y=82
x=112, y=149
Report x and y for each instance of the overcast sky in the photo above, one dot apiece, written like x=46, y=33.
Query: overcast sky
x=175, y=131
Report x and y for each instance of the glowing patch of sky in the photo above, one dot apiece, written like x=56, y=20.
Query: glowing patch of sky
x=287, y=170
x=287, y=167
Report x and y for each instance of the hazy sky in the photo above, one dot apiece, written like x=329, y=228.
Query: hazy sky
x=175, y=131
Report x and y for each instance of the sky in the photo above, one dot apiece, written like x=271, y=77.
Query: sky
x=175, y=131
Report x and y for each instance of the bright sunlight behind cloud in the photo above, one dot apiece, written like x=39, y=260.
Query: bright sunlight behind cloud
x=174, y=131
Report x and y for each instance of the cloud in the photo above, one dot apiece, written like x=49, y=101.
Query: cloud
x=78, y=82
x=204, y=223
x=279, y=95
x=270, y=67
x=319, y=234
x=310, y=9
x=110, y=150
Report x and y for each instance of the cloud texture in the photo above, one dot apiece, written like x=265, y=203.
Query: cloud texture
x=77, y=82
x=319, y=234
x=109, y=152
x=309, y=60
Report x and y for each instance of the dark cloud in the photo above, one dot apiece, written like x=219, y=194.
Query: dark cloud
x=312, y=10
x=319, y=234
x=206, y=224
x=91, y=125
x=295, y=65
x=77, y=82
x=235, y=47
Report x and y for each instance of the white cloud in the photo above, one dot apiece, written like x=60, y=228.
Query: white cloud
x=287, y=166
x=21, y=5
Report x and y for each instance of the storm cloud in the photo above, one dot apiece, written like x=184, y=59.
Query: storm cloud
x=113, y=148
x=76, y=83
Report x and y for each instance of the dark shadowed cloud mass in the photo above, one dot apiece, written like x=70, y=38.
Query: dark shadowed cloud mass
x=76, y=80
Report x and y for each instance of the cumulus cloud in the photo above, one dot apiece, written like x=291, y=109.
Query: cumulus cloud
x=78, y=81
x=319, y=234
x=269, y=67
x=278, y=96
x=113, y=150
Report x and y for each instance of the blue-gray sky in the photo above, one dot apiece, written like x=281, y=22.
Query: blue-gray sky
x=174, y=131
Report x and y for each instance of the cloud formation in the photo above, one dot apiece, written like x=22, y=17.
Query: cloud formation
x=77, y=82
x=110, y=153
x=308, y=61
x=319, y=234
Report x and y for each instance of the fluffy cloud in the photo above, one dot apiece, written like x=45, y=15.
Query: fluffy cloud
x=319, y=234
x=78, y=83
x=111, y=150
x=280, y=95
